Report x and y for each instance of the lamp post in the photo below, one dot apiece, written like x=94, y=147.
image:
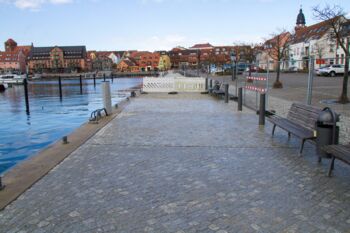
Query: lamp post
x=233, y=59
x=198, y=61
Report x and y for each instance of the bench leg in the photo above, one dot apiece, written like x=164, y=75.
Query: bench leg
x=302, y=147
x=331, y=167
x=273, y=130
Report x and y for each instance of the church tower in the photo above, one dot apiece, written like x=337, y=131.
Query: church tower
x=300, y=20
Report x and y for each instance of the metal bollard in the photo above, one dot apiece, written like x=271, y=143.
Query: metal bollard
x=65, y=140
x=1, y=185
x=107, y=99
x=206, y=84
x=240, y=99
x=226, y=93
x=262, y=109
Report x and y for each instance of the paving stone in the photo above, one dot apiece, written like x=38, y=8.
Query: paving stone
x=185, y=163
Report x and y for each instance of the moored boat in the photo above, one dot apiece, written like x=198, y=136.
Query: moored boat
x=12, y=79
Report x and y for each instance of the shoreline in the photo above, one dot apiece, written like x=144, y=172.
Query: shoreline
x=25, y=174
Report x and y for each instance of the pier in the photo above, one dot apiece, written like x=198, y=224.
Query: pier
x=185, y=163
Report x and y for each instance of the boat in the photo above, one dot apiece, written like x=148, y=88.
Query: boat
x=3, y=87
x=12, y=79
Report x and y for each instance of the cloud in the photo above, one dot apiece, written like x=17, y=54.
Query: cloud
x=34, y=4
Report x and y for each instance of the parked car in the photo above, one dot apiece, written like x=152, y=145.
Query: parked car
x=254, y=69
x=330, y=70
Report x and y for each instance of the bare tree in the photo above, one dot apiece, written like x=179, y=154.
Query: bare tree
x=277, y=49
x=319, y=51
x=334, y=16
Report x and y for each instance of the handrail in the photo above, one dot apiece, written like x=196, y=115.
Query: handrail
x=96, y=115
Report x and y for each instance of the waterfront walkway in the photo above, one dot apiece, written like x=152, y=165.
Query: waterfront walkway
x=185, y=163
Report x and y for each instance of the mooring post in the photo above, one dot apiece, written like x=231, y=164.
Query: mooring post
x=60, y=86
x=112, y=77
x=211, y=83
x=1, y=185
x=94, y=75
x=206, y=84
x=104, y=77
x=81, y=84
x=107, y=99
x=226, y=92
x=240, y=99
x=26, y=96
x=262, y=109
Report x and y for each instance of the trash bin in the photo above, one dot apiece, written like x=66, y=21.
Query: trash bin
x=327, y=131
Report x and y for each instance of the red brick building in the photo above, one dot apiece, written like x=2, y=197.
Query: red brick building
x=146, y=61
x=13, y=59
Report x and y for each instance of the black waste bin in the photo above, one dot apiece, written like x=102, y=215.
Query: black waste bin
x=327, y=131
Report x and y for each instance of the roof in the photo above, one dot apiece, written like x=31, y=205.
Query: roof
x=129, y=62
x=68, y=52
x=24, y=48
x=9, y=56
x=275, y=38
x=312, y=32
x=201, y=46
x=301, y=18
x=10, y=42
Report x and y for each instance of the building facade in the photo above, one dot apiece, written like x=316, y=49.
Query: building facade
x=13, y=59
x=58, y=59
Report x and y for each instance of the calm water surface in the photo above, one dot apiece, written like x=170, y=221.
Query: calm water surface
x=23, y=135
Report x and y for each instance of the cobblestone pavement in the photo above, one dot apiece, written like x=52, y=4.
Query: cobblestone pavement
x=185, y=163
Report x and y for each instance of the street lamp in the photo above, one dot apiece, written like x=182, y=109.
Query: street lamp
x=234, y=60
x=198, y=61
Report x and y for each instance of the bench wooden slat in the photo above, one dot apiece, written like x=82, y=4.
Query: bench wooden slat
x=341, y=152
x=301, y=122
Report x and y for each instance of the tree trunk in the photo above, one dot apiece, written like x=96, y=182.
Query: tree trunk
x=343, y=99
x=277, y=83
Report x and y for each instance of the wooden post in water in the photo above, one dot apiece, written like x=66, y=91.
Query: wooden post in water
x=94, y=80
x=26, y=97
x=104, y=77
x=60, y=86
x=81, y=84
x=112, y=77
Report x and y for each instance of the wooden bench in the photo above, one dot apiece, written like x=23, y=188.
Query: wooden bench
x=300, y=122
x=340, y=152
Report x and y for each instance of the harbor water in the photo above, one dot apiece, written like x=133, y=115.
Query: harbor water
x=24, y=134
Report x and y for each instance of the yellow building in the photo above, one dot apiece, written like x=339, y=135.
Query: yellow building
x=164, y=63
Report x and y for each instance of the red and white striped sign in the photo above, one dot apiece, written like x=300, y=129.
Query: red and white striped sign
x=257, y=78
x=257, y=89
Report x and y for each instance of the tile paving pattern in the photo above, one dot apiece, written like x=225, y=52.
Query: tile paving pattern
x=185, y=163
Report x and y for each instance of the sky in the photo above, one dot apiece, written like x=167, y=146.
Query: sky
x=149, y=24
